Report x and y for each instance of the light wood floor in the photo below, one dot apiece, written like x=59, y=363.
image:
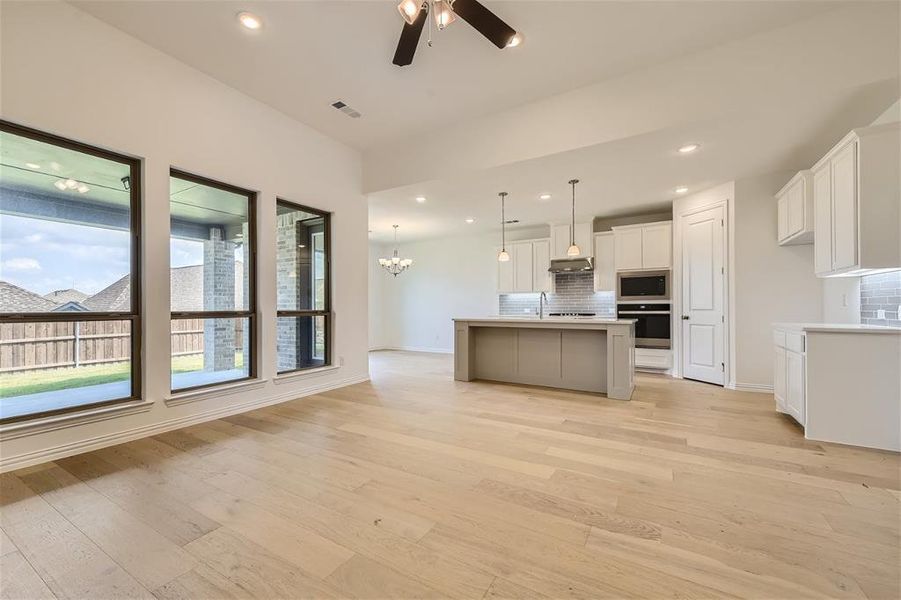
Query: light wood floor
x=416, y=486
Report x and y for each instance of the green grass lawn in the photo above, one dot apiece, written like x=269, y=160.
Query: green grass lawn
x=48, y=380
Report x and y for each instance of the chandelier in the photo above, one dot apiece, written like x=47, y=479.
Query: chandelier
x=395, y=265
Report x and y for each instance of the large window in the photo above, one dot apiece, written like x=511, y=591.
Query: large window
x=211, y=282
x=69, y=298
x=304, y=306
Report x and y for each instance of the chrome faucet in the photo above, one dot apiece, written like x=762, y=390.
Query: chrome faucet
x=541, y=300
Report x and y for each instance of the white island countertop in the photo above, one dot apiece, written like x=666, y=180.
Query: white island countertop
x=548, y=320
x=839, y=328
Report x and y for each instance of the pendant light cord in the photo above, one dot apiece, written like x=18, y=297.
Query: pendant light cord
x=572, y=230
x=503, y=196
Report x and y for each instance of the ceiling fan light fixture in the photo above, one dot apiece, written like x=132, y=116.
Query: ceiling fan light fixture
x=409, y=10
x=443, y=13
x=515, y=41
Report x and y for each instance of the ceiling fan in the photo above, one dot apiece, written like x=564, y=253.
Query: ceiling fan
x=445, y=12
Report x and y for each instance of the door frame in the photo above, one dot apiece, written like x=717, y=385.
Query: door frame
x=727, y=203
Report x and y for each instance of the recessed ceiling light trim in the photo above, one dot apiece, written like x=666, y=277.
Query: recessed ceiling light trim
x=681, y=189
x=689, y=148
x=421, y=199
x=544, y=197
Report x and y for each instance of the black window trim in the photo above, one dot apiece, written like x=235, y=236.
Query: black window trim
x=134, y=315
x=251, y=312
x=327, y=311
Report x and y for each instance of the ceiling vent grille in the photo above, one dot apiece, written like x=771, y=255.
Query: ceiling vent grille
x=346, y=109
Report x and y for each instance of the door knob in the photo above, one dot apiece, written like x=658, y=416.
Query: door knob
x=684, y=317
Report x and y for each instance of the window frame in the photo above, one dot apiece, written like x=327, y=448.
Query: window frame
x=250, y=313
x=326, y=311
x=134, y=314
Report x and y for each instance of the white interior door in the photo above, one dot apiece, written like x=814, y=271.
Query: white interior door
x=703, y=324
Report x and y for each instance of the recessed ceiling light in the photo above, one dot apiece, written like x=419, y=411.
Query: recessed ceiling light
x=420, y=199
x=544, y=197
x=681, y=189
x=33, y=165
x=470, y=220
x=689, y=148
x=249, y=20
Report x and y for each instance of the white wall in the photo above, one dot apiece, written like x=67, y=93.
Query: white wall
x=841, y=300
x=768, y=283
x=67, y=73
x=772, y=283
x=451, y=277
x=377, y=281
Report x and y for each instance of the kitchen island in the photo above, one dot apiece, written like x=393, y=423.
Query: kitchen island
x=583, y=354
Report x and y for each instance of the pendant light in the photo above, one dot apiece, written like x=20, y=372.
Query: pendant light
x=395, y=264
x=502, y=256
x=573, y=249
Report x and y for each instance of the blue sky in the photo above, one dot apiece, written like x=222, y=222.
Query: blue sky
x=43, y=256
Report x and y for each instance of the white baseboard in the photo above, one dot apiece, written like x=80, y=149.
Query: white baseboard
x=751, y=387
x=415, y=349
x=9, y=463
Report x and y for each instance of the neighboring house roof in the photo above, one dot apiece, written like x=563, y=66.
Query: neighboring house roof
x=64, y=296
x=113, y=298
x=71, y=306
x=186, y=289
x=16, y=299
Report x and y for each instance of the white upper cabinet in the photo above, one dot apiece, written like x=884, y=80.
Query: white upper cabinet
x=542, y=280
x=657, y=246
x=627, y=248
x=795, y=211
x=527, y=269
x=521, y=255
x=643, y=246
x=857, y=203
x=604, y=265
x=560, y=240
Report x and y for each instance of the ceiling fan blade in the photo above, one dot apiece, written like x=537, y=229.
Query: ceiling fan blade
x=409, y=39
x=484, y=21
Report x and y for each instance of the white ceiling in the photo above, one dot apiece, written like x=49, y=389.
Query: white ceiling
x=601, y=91
x=628, y=176
x=310, y=53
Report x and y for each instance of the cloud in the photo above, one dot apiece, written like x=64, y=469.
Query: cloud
x=21, y=264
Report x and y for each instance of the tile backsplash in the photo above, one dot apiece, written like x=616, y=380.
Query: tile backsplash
x=574, y=292
x=880, y=292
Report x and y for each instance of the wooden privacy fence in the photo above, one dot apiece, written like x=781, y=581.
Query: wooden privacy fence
x=29, y=346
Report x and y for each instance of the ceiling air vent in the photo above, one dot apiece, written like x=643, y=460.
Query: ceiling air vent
x=346, y=109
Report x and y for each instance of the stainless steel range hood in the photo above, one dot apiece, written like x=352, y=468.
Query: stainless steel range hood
x=571, y=265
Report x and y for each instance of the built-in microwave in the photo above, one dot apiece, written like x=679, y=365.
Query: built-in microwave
x=643, y=286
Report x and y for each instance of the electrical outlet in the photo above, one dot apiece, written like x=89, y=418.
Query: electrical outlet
x=880, y=314
x=844, y=300
x=340, y=361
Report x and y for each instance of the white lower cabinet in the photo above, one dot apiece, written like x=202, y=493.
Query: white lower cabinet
x=789, y=374
x=653, y=359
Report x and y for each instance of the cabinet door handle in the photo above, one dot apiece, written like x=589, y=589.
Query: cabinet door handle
x=685, y=317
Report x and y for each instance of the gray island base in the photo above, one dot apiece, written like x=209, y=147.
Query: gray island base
x=588, y=355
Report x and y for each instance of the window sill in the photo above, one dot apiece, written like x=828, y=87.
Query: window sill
x=213, y=391
x=38, y=425
x=292, y=376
